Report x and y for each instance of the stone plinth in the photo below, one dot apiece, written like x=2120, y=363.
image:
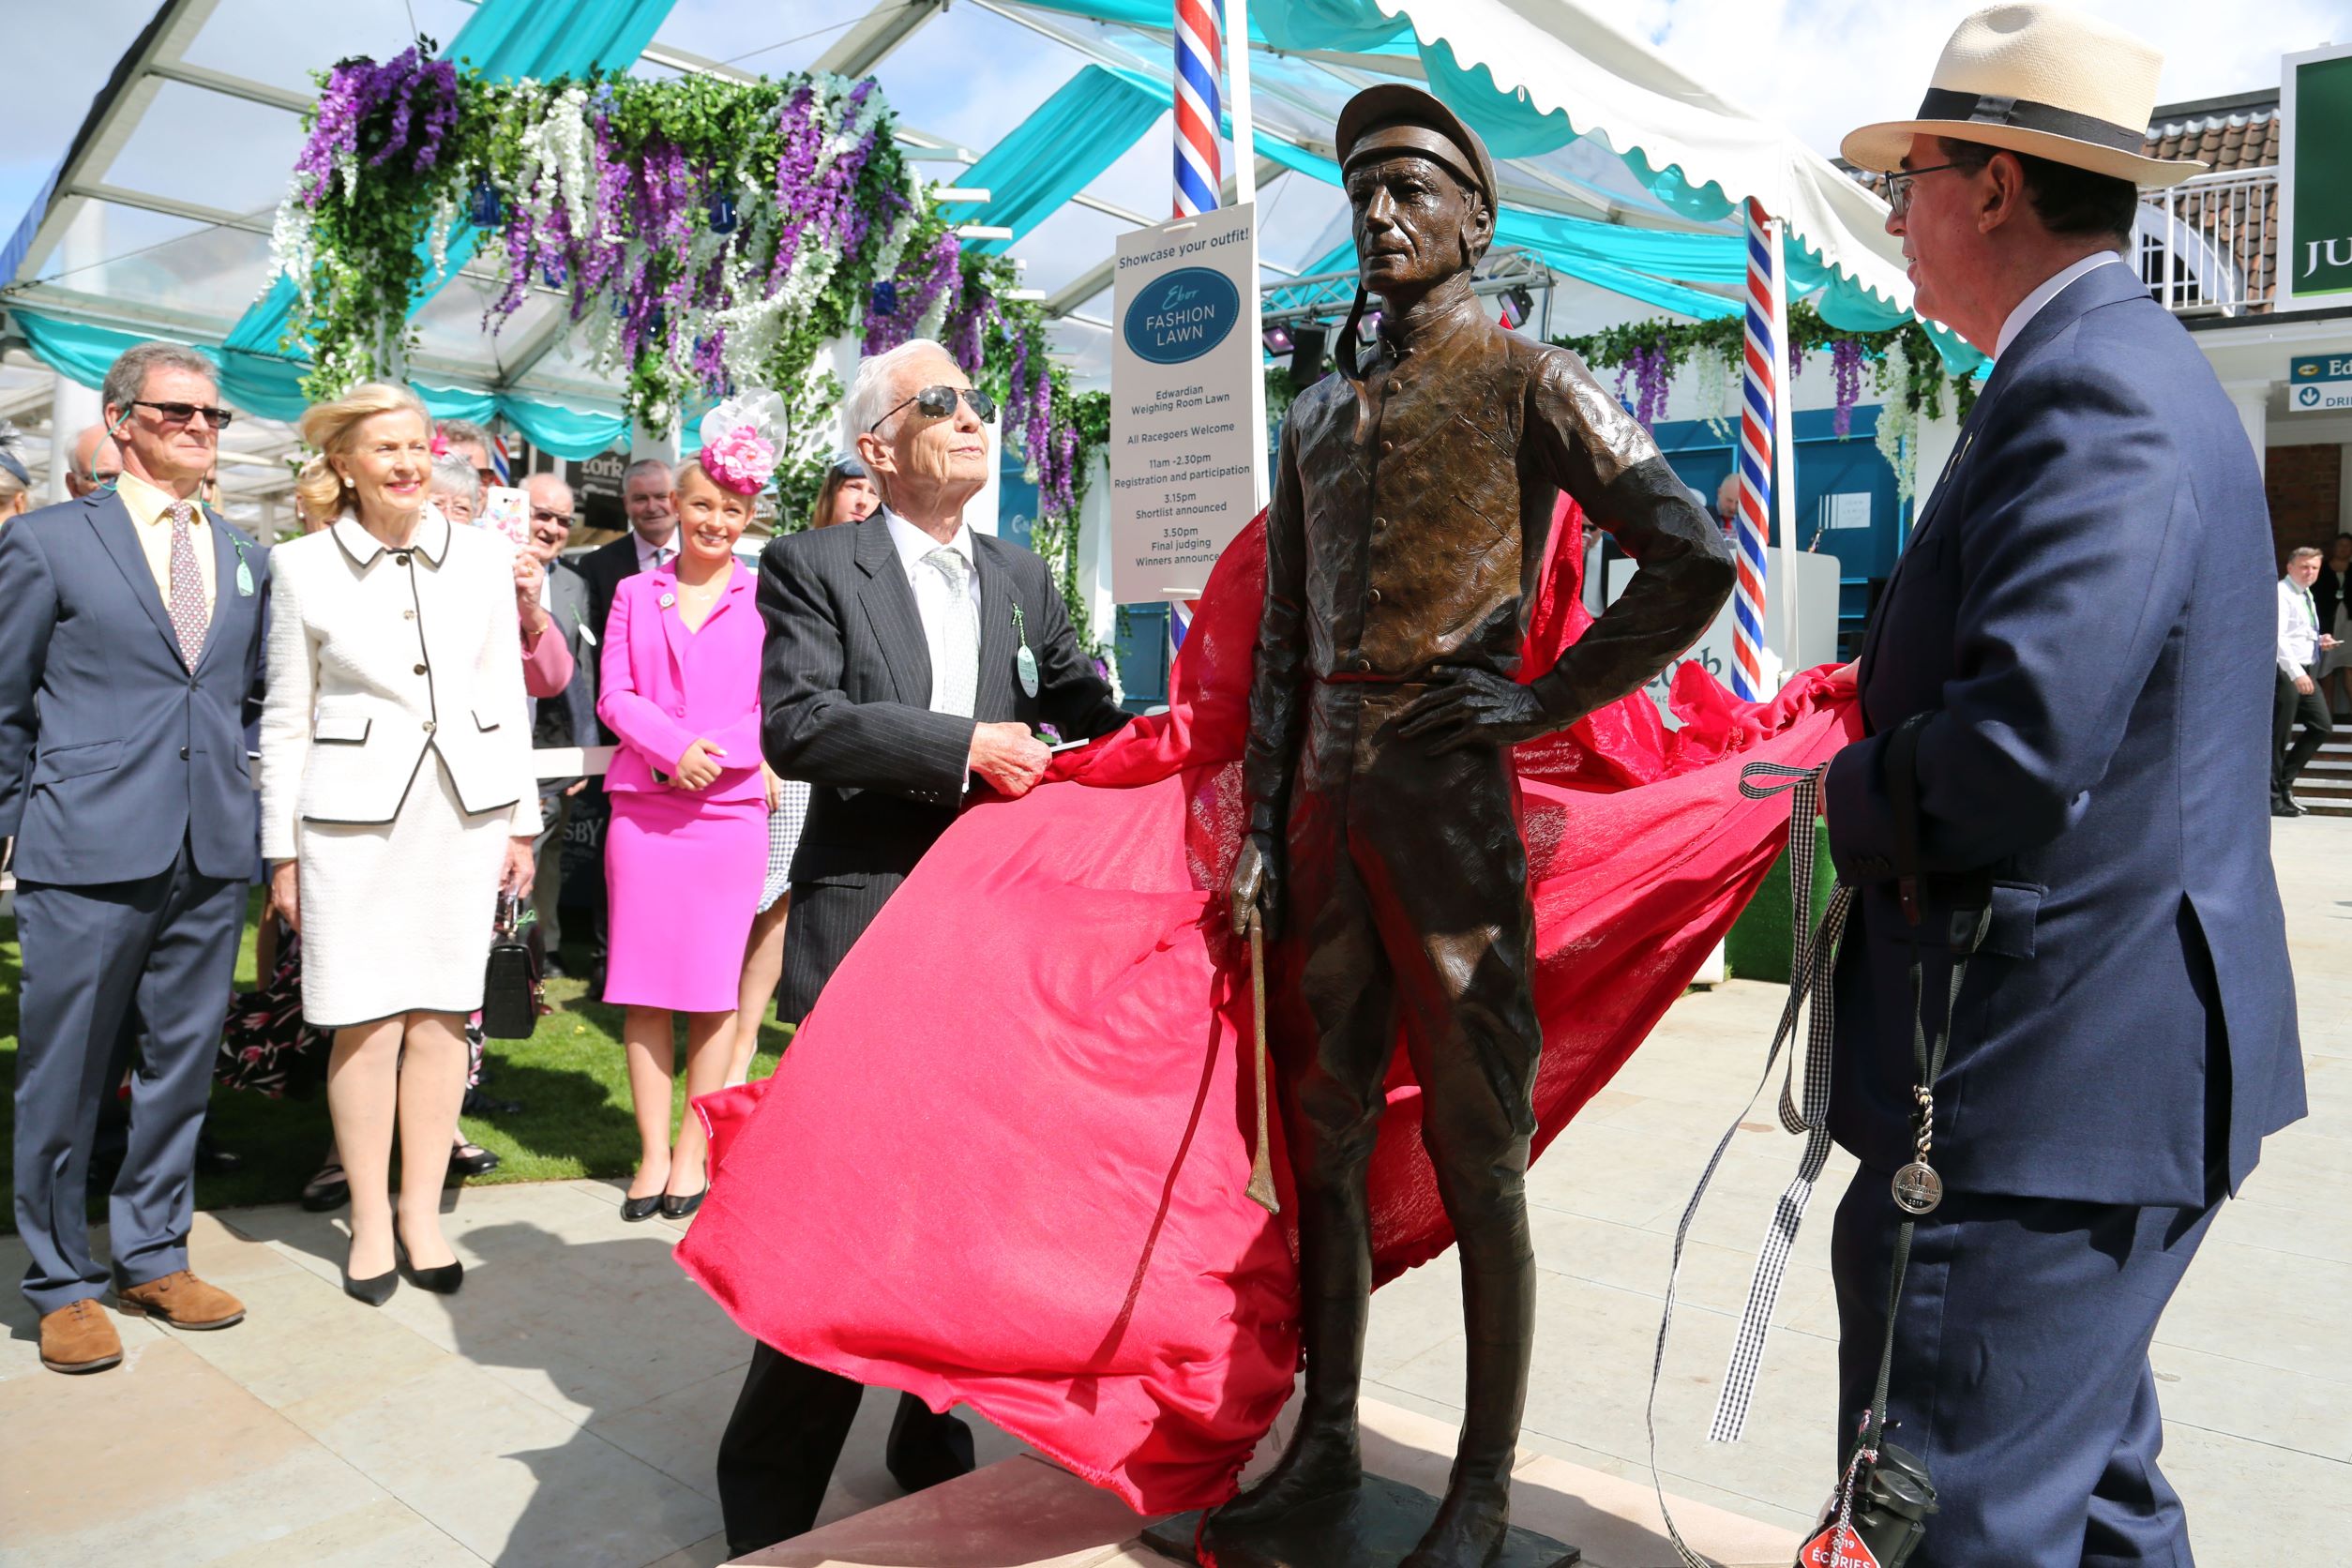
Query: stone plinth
x=1026, y=1513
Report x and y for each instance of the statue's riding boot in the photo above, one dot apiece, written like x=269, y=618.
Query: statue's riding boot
x=1324, y=1457
x=1499, y=1311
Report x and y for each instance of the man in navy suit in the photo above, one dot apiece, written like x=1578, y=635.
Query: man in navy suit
x=2085, y=618
x=129, y=640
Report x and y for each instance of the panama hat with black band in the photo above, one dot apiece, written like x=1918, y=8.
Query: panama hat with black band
x=2041, y=80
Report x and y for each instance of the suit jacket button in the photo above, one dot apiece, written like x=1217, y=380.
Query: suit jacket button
x=1374, y=595
x=429, y=726
x=420, y=670
x=183, y=754
x=1364, y=666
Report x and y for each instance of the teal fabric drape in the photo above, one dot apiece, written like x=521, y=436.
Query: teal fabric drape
x=1081, y=131
x=505, y=38
x=1513, y=126
x=271, y=387
x=515, y=39
x=568, y=432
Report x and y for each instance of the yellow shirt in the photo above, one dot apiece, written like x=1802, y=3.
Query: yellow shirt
x=150, y=510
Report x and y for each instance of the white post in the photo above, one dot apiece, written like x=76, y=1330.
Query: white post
x=71, y=407
x=1245, y=195
x=1094, y=546
x=1784, y=450
x=2252, y=399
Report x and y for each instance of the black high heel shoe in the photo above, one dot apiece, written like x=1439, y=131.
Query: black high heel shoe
x=678, y=1205
x=441, y=1281
x=376, y=1288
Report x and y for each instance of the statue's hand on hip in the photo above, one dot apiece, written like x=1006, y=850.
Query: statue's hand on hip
x=1257, y=883
x=1474, y=707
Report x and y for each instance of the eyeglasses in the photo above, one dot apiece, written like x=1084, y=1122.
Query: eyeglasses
x=180, y=413
x=1899, y=184
x=540, y=514
x=938, y=402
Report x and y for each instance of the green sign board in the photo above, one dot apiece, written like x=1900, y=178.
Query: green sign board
x=2316, y=179
x=2319, y=383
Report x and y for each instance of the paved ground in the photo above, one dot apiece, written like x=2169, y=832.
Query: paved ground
x=564, y=1409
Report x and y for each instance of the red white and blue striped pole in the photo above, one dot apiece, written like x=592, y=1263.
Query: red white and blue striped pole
x=1200, y=63
x=1200, y=162
x=1757, y=432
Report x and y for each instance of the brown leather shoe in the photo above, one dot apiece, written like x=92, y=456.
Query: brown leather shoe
x=77, y=1339
x=182, y=1300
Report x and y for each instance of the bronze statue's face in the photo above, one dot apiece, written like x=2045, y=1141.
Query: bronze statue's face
x=1415, y=224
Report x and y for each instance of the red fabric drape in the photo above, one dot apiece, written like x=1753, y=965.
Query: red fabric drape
x=1003, y=1161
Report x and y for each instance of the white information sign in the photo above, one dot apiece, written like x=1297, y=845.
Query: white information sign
x=1186, y=447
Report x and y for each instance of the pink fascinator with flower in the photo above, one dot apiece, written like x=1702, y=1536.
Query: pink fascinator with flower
x=739, y=442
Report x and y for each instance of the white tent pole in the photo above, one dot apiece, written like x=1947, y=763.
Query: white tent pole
x=1246, y=192
x=1784, y=449
x=1238, y=101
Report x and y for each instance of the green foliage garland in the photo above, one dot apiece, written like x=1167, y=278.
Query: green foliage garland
x=1723, y=340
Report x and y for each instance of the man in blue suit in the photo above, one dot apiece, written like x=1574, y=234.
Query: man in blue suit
x=129, y=642
x=2082, y=628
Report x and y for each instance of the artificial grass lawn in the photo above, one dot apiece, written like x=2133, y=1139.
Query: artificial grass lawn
x=569, y=1077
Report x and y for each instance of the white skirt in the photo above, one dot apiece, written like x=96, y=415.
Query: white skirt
x=396, y=916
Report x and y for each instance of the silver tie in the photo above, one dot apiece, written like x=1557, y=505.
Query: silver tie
x=955, y=651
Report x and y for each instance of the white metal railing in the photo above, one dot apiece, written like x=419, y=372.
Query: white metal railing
x=2205, y=244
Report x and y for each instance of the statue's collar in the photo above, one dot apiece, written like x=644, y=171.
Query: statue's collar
x=1430, y=331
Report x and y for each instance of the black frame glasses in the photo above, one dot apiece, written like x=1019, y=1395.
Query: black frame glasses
x=938, y=402
x=544, y=514
x=1899, y=184
x=180, y=413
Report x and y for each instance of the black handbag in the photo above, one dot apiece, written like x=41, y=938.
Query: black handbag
x=510, y=987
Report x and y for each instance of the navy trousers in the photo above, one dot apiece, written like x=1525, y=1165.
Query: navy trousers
x=2021, y=1373
x=165, y=945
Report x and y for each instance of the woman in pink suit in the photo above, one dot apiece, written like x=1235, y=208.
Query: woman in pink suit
x=687, y=847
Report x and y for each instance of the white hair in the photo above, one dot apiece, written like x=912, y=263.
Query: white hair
x=874, y=393
x=454, y=476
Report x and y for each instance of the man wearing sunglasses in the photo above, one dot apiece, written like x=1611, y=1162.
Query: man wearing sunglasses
x=129, y=640
x=910, y=659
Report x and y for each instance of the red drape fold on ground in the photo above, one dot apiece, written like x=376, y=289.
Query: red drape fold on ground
x=1003, y=1161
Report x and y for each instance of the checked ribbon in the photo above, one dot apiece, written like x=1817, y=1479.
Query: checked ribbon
x=1810, y=968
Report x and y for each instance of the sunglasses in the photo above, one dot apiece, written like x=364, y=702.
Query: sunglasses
x=180, y=413
x=1899, y=185
x=938, y=402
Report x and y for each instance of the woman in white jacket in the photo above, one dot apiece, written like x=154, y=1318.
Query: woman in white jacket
x=397, y=798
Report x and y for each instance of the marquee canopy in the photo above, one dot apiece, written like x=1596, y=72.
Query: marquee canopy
x=1619, y=171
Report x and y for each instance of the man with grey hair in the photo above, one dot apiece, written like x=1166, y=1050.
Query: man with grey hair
x=909, y=662
x=652, y=540
x=568, y=718
x=97, y=462
x=129, y=638
x=2301, y=642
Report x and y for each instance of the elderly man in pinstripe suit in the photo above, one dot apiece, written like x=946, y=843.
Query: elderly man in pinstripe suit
x=908, y=662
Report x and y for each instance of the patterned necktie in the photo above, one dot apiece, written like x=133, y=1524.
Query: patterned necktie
x=958, y=673
x=190, y=613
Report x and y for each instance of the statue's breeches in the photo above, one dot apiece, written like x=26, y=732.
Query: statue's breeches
x=1408, y=902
